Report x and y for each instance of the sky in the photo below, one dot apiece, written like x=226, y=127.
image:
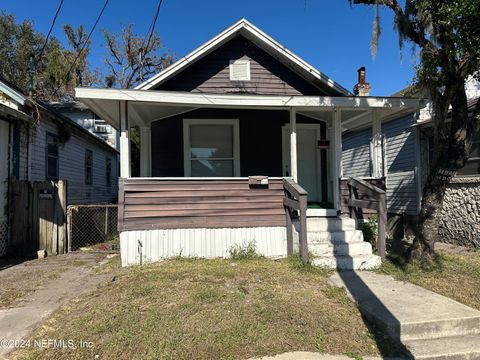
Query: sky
x=328, y=34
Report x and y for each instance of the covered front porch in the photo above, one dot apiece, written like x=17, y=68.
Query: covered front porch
x=217, y=163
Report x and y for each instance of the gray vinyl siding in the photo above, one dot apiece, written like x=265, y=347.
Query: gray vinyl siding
x=401, y=162
x=72, y=166
x=401, y=156
x=356, y=153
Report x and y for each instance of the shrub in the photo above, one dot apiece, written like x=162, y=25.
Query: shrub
x=370, y=231
x=243, y=252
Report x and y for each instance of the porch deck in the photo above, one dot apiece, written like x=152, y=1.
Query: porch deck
x=205, y=217
x=171, y=203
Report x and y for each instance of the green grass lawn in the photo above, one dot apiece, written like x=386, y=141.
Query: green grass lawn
x=457, y=275
x=209, y=309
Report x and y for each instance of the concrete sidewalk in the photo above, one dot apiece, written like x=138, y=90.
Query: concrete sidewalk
x=431, y=326
x=16, y=323
x=306, y=355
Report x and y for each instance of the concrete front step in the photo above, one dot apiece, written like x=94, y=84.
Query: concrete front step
x=405, y=311
x=464, y=347
x=330, y=224
x=347, y=236
x=345, y=262
x=450, y=326
x=340, y=249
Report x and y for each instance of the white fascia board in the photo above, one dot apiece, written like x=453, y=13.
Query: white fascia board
x=253, y=33
x=191, y=57
x=242, y=100
x=290, y=56
x=13, y=94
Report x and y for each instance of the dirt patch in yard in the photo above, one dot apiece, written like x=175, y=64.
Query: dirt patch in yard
x=204, y=309
x=22, y=279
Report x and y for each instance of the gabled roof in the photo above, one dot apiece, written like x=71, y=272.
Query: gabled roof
x=262, y=40
x=12, y=91
x=26, y=103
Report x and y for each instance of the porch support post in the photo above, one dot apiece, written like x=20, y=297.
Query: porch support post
x=145, y=151
x=337, y=157
x=377, y=167
x=124, y=141
x=293, y=144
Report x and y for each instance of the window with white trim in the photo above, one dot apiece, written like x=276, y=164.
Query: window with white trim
x=211, y=148
x=239, y=70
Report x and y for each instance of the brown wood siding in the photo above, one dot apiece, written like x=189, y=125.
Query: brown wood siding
x=260, y=141
x=171, y=204
x=344, y=195
x=267, y=75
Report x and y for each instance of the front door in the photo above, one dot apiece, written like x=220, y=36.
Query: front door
x=308, y=158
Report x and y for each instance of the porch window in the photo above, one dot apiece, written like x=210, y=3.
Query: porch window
x=211, y=148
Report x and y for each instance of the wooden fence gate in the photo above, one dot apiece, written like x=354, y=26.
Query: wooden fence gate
x=38, y=217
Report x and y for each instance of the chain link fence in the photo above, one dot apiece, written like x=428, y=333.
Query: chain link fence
x=89, y=225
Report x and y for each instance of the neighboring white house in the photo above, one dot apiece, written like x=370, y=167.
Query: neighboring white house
x=37, y=143
x=86, y=118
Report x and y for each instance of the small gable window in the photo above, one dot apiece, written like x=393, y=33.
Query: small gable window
x=239, y=70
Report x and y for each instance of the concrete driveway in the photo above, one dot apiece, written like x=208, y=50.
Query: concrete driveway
x=34, y=289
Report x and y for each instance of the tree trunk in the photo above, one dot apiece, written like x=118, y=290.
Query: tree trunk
x=423, y=248
x=452, y=145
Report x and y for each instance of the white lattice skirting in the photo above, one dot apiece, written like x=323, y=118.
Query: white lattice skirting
x=3, y=237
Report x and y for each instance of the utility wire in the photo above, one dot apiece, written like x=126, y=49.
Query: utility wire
x=86, y=40
x=154, y=22
x=148, y=37
x=51, y=28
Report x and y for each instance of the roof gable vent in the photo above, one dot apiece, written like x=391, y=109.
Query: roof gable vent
x=239, y=70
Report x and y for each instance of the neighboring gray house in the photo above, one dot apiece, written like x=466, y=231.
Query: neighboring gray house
x=86, y=118
x=37, y=144
x=405, y=142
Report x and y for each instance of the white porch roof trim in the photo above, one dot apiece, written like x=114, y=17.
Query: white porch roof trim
x=250, y=31
x=12, y=93
x=104, y=102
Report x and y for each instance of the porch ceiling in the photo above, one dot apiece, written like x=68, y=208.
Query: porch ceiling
x=146, y=106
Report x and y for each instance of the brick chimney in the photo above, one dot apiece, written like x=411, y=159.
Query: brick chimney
x=362, y=88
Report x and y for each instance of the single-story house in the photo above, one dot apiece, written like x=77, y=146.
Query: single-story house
x=239, y=107
x=37, y=144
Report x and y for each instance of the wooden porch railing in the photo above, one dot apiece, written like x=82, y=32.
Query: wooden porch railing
x=296, y=200
x=377, y=200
